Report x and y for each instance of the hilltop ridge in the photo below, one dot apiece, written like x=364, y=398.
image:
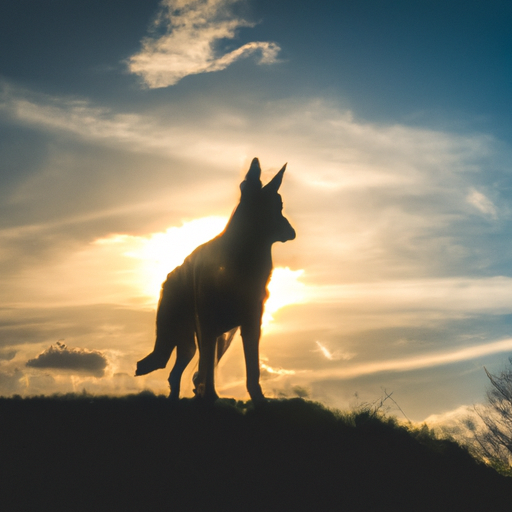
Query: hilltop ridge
x=141, y=452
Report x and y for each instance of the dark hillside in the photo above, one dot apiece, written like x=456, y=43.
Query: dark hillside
x=140, y=453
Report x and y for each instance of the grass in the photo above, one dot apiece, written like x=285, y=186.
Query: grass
x=85, y=453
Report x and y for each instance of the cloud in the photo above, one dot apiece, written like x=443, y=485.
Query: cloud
x=7, y=355
x=387, y=238
x=192, y=30
x=60, y=357
x=394, y=196
x=482, y=203
x=327, y=148
x=186, y=132
x=336, y=355
x=385, y=203
x=78, y=117
x=451, y=295
x=417, y=362
x=266, y=369
x=453, y=418
x=11, y=382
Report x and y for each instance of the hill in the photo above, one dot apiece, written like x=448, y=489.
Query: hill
x=84, y=453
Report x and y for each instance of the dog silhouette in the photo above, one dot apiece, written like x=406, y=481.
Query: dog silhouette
x=222, y=285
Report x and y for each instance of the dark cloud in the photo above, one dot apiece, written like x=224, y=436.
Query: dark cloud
x=7, y=355
x=60, y=357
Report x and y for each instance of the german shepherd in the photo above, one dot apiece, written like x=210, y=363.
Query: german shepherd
x=222, y=285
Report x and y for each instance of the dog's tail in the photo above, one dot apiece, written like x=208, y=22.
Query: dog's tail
x=150, y=363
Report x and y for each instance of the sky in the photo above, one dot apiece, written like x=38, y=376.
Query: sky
x=127, y=126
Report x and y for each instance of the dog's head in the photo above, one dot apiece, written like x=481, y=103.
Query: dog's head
x=263, y=206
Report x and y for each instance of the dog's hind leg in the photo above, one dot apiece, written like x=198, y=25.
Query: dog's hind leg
x=184, y=353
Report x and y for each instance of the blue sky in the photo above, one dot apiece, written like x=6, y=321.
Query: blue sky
x=127, y=126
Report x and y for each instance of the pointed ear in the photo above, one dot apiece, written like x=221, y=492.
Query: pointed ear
x=274, y=184
x=252, y=178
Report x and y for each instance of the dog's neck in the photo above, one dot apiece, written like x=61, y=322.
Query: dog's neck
x=249, y=246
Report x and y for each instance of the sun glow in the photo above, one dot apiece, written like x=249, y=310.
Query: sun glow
x=159, y=253
x=162, y=252
x=284, y=289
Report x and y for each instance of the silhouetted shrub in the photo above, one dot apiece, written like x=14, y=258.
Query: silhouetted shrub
x=492, y=440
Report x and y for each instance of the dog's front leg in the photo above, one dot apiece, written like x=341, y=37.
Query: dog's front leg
x=251, y=340
x=206, y=378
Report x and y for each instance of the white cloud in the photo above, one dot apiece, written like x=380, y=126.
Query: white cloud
x=80, y=118
x=326, y=147
x=482, y=203
x=336, y=355
x=451, y=419
x=188, y=45
x=450, y=295
x=147, y=133
x=276, y=371
x=427, y=360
